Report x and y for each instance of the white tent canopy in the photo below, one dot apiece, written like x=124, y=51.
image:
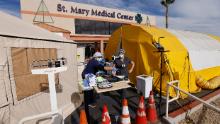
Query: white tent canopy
x=204, y=51
x=12, y=26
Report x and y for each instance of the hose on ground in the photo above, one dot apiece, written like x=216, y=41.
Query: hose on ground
x=208, y=84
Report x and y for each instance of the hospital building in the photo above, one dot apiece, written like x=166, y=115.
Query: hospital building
x=88, y=25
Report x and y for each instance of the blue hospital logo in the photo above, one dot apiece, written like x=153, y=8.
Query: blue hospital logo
x=138, y=18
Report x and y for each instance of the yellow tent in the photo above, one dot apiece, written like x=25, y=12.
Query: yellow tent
x=179, y=62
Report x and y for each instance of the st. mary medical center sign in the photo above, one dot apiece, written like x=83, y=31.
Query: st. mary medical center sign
x=91, y=11
x=63, y=13
x=94, y=12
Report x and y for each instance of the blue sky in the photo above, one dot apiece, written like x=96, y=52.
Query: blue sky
x=193, y=15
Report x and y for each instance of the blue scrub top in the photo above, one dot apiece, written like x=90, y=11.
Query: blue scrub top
x=93, y=67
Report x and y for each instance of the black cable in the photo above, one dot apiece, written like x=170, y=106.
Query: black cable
x=157, y=82
x=168, y=63
x=189, y=109
x=184, y=68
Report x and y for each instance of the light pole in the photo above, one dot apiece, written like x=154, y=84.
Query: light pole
x=166, y=4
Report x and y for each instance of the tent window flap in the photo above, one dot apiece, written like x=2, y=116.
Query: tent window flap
x=26, y=83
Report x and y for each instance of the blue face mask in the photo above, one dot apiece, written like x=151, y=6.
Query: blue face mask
x=101, y=60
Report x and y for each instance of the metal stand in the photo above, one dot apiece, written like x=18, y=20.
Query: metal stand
x=161, y=77
x=51, y=78
x=49, y=67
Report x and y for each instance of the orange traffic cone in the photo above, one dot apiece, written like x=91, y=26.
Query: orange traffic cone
x=151, y=110
x=141, y=115
x=83, y=119
x=105, y=116
x=125, y=117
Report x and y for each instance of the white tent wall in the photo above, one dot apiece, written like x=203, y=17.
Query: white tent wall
x=3, y=95
x=4, y=98
x=37, y=103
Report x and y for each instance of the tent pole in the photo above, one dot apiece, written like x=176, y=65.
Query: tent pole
x=161, y=79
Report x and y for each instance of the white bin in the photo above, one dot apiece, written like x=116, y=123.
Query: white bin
x=144, y=84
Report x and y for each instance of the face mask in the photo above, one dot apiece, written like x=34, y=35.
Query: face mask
x=99, y=59
x=121, y=56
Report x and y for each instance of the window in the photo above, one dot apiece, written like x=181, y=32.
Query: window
x=28, y=84
x=95, y=27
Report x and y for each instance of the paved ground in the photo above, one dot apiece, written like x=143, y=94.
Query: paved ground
x=113, y=101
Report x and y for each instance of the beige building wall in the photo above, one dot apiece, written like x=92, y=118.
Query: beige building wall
x=63, y=13
x=30, y=7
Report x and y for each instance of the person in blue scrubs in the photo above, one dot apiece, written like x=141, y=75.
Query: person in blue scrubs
x=93, y=66
x=121, y=64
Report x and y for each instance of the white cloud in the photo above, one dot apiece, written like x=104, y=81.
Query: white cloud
x=196, y=8
x=194, y=15
x=208, y=26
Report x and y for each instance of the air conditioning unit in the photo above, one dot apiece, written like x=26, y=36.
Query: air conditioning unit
x=144, y=85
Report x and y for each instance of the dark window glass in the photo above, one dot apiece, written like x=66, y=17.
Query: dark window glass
x=95, y=27
x=114, y=26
